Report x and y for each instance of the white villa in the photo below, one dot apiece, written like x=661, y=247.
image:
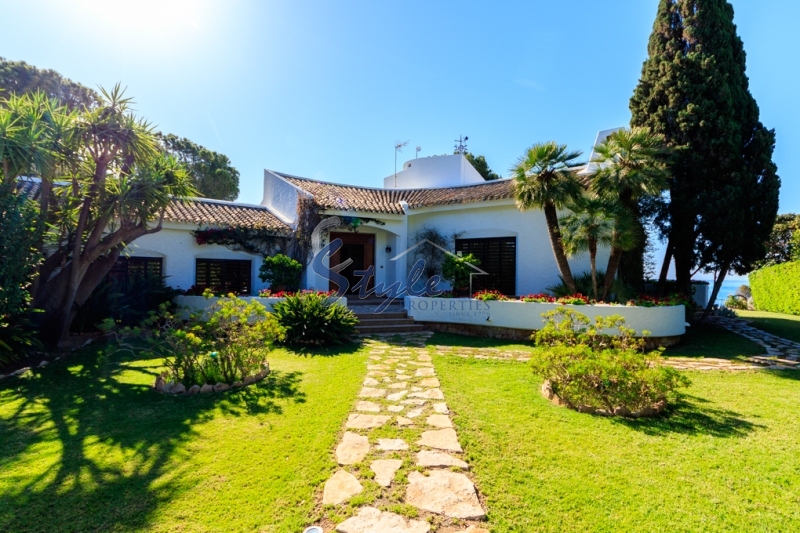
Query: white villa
x=444, y=192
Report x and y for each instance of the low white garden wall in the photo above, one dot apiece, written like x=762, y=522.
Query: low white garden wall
x=201, y=303
x=659, y=321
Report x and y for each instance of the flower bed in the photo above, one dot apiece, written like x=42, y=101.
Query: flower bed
x=201, y=303
x=525, y=314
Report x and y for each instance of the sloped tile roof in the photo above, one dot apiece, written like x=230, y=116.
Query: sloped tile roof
x=199, y=211
x=217, y=212
x=352, y=198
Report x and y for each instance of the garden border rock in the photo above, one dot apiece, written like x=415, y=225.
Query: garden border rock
x=653, y=410
x=168, y=387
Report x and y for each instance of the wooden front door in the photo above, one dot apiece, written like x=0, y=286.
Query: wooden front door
x=360, y=247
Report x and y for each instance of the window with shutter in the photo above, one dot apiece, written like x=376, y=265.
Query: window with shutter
x=223, y=275
x=498, y=257
x=129, y=267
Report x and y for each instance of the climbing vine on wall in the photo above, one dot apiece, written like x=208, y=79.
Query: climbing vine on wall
x=257, y=241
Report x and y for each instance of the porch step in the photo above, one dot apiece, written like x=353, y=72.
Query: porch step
x=370, y=315
x=385, y=321
x=398, y=328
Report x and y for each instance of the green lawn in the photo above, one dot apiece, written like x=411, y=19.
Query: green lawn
x=786, y=326
x=724, y=460
x=711, y=341
x=87, y=446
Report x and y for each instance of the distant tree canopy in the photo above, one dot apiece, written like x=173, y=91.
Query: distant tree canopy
x=480, y=164
x=211, y=171
x=18, y=77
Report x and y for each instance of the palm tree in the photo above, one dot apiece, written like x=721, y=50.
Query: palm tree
x=591, y=224
x=543, y=180
x=630, y=164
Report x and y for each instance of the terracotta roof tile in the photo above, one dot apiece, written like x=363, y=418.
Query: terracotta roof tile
x=215, y=212
x=351, y=198
x=199, y=211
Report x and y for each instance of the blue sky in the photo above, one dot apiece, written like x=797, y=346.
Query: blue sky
x=324, y=89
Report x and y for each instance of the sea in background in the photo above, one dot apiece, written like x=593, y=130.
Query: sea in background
x=728, y=287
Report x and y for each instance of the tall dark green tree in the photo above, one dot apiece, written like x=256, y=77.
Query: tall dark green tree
x=693, y=90
x=212, y=172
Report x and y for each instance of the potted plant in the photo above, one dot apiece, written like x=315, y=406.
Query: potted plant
x=281, y=272
x=456, y=270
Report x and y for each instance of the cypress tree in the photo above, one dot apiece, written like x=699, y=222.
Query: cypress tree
x=723, y=195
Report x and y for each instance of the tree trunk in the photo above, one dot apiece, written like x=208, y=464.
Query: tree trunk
x=611, y=270
x=593, y=262
x=715, y=291
x=551, y=216
x=662, y=278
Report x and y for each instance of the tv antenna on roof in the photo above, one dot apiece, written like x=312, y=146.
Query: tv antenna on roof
x=398, y=147
x=461, y=145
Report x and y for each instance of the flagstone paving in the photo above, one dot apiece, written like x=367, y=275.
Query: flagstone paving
x=404, y=455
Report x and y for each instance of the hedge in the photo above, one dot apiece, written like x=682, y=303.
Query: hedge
x=777, y=288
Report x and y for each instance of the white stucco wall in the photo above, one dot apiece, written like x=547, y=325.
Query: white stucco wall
x=178, y=250
x=658, y=321
x=280, y=197
x=536, y=265
x=435, y=171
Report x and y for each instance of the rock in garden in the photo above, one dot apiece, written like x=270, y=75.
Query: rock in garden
x=441, y=408
x=206, y=388
x=430, y=394
x=371, y=407
x=194, y=389
x=371, y=392
x=430, y=458
x=395, y=408
x=352, y=449
x=399, y=385
x=443, y=439
x=425, y=372
x=414, y=413
x=372, y=520
x=221, y=387
x=370, y=382
x=340, y=487
x=415, y=402
x=396, y=396
x=475, y=529
x=392, y=445
x=359, y=421
x=430, y=382
x=179, y=388
x=424, y=358
x=385, y=469
x=403, y=421
x=439, y=421
x=444, y=492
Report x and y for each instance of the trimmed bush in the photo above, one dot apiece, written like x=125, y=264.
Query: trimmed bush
x=777, y=288
x=311, y=319
x=598, y=373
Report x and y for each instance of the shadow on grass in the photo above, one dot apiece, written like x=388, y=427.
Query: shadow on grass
x=325, y=351
x=459, y=341
x=782, y=326
x=689, y=417
x=94, y=452
x=708, y=340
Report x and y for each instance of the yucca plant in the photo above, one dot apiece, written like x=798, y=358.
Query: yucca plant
x=311, y=319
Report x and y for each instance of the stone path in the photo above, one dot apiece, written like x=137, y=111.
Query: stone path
x=781, y=353
x=401, y=468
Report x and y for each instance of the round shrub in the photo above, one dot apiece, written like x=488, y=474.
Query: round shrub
x=281, y=272
x=312, y=319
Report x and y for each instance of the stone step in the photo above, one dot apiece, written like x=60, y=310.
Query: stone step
x=384, y=321
x=369, y=315
x=401, y=328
